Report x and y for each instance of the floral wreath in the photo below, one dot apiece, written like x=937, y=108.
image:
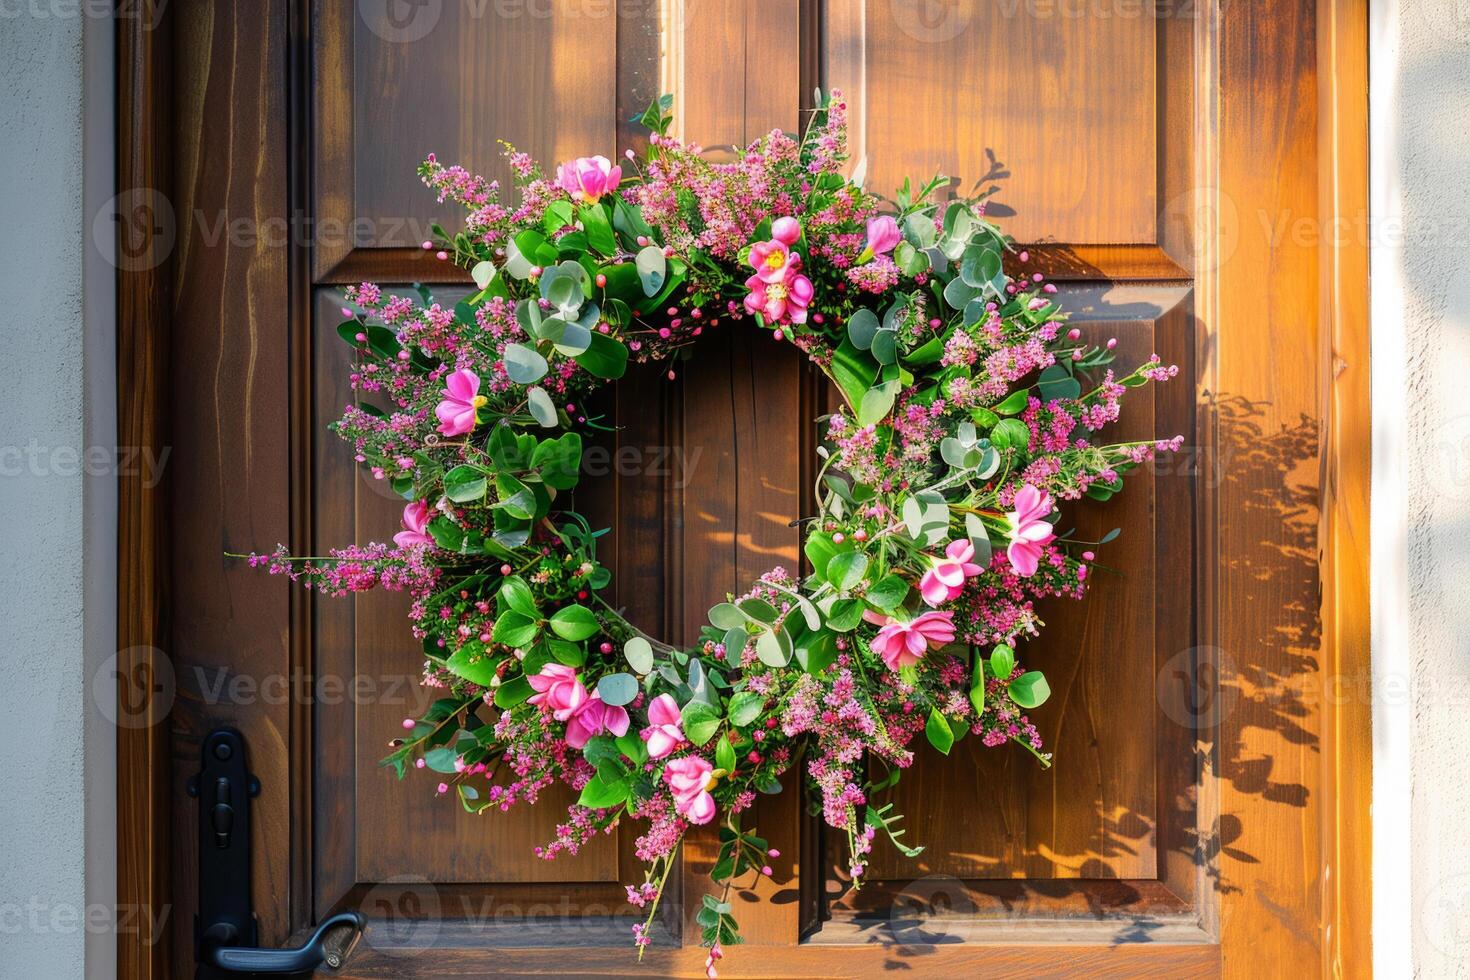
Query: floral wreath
x=971, y=414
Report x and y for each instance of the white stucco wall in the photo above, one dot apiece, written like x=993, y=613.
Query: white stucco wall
x=1421, y=283
x=55, y=880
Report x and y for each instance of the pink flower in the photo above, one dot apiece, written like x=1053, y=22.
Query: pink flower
x=665, y=730
x=946, y=579
x=787, y=230
x=594, y=717
x=882, y=235
x=689, y=778
x=772, y=260
x=462, y=399
x=558, y=689
x=587, y=179
x=416, y=526
x=779, y=301
x=1029, y=532
x=902, y=644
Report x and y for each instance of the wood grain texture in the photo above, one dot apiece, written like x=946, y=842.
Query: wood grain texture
x=1342, y=54
x=144, y=320
x=230, y=468
x=983, y=91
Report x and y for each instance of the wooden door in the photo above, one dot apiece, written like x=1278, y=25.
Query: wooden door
x=1188, y=826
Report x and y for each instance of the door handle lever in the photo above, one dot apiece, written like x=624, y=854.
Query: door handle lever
x=329, y=944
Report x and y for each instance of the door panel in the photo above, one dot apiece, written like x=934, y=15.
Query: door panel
x=1111, y=131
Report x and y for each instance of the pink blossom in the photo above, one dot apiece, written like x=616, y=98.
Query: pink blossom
x=594, y=717
x=902, y=644
x=882, y=234
x=665, y=730
x=787, y=230
x=416, y=526
x=558, y=689
x=778, y=290
x=587, y=179
x=462, y=399
x=946, y=579
x=772, y=260
x=689, y=778
x=1029, y=532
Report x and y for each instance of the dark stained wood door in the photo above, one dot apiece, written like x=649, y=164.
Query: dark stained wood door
x=1180, y=831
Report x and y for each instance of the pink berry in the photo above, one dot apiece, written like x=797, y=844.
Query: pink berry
x=536, y=271
x=346, y=312
x=861, y=534
x=1074, y=334
x=1088, y=556
x=601, y=280
x=779, y=335
x=443, y=787
x=753, y=757
x=773, y=853
x=418, y=763
x=1112, y=342
x=671, y=375
x=1036, y=277
x=838, y=538
x=672, y=311
x=605, y=647
x=1024, y=256
x=441, y=255
x=408, y=724
x=506, y=569
x=767, y=871
x=428, y=245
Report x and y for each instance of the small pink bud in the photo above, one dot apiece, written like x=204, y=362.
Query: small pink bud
x=779, y=335
x=418, y=763
x=443, y=787
x=1088, y=556
x=408, y=724
x=671, y=375
x=672, y=311
x=536, y=271
x=441, y=255
x=1024, y=256
x=838, y=538
x=1112, y=342
x=1037, y=277
x=606, y=647
x=1049, y=288
x=428, y=245
x=601, y=280
x=766, y=870
x=347, y=312
x=1076, y=355
x=774, y=853
x=505, y=569
x=861, y=534
x=643, y=240
x=1074, y=334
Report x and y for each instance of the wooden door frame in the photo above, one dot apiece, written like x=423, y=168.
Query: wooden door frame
x=1260, y=928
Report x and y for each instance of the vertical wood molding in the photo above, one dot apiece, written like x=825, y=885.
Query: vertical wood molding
x=144, y=289
x=1342, y=57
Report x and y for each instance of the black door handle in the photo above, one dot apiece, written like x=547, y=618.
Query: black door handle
x=329, y=944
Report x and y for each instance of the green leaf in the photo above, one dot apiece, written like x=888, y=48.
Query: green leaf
x=1010, y=434
x=604, y=357
x=566, y=652
x=700, y=722
x=979, y=540
x=617, y=689
x=845, y=615
x=465, y=484
x=745, y=707
x=602, y=794
x=575, y=623
x=471, y=663
x=862, y=326
x=1002, y=661
x=774, y=647
x=854, y=371
x=846, y=570
x=543, y=410
x=1058, y=384
x=1030, y=690
x=725, y=754
x=1014, y=403
x=514, y=629
x=652, y=269
x=759, y=610
x=735, y=640
x=980, y=265
x=888, y=593
x=483, y=273
x=523, y=365
x=938, y=732
x=816, y=651
x=559, y=460
x=877, y=402
x=726, y=616
x=513, y=692
x=885, y=346
x=599, y=229
x=639, y=654
x=516, y=594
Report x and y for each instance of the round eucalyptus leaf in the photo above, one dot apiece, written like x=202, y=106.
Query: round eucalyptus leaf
x=639, y=654
x=617, y=689
x=543, y=410
x=523, y=365
x=774, y=648
x=483, y=273
x=574, y=340
x=861, y=327
x=652, y=269
x=958, y=293
x=885, y=346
